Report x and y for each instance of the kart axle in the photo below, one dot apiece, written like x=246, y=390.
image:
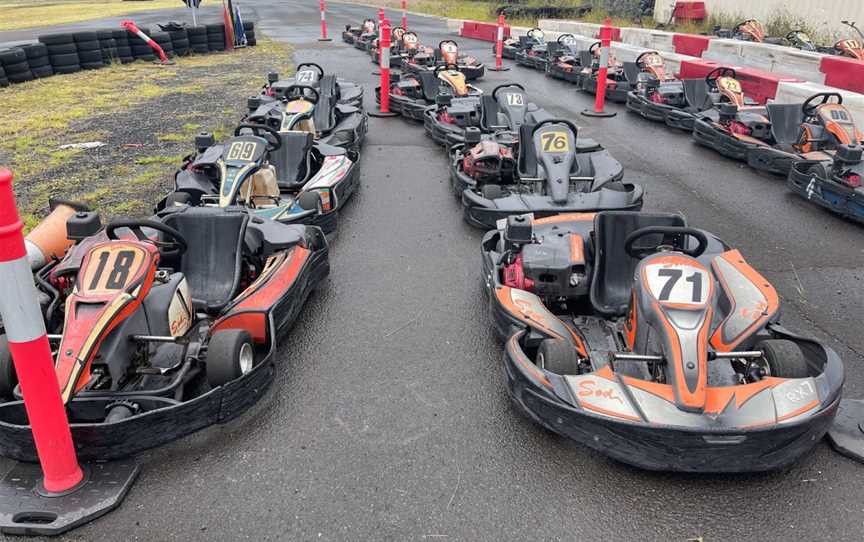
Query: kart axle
x=711, y=356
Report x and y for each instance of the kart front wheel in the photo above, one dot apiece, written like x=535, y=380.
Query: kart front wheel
x=784, y=358
x=558, y=356
x=8, y=378
x=230, y=355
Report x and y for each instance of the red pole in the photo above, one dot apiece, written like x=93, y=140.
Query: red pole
x=600, y=91
x=405, y=14
x=499, y=43
x=31, y=354
x=380, y=32
x=323, y=7
x=385, y=66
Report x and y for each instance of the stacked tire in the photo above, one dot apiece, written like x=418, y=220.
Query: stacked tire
x=15, y=65
x=198, y=40
x=62, y=52
x=4, y=81
x=163, y=39
x=249, y=30
x=89, y=50
x=180, y=41
x=140, y=49
x=38, y=59
x=108, y=46
x=124, y=50
x=216, y=37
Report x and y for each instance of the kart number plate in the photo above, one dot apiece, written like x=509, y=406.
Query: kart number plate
x=112, y=268
x=306, y=76
x=242, y=151
x=555, y=141
x=732, y=85
x=515, y=99
x=678, y=283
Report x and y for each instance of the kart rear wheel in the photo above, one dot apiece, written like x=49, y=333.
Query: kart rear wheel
x=558, y=356
x=784, y=358
x=8, y=378
x=230, y=355
x=310, y=200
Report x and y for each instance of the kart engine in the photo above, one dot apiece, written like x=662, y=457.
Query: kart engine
x=848, y=165
x=489, y=162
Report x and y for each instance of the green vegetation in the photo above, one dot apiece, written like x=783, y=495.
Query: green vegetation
x=17, y=14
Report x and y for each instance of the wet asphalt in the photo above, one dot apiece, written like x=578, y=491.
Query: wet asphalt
x=389, y=418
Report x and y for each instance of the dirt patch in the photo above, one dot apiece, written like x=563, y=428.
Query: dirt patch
x=146, y=115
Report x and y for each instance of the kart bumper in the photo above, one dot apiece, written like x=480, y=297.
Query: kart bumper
x=837, y=198
x=648, y=109
x=771, y=160
x=441, y=132
x=484, y=213
x=707, y=135
x=682, y=120
x=555, y=71
x=549, y=401
x=616, y=95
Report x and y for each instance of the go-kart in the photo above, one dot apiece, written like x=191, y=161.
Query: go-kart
x=352, y=33
x=446, y=55
x=538, y=53
x=513, y=45
x=617, y=82
x=397, y=35
x=567, y=61
x=311, y=74
x=365, y=35
x=657, y=93
x=547, y=171
x=812, y=130
x=731, y=126
x=281, y=175
x=749, y=30
x=834, y=182
x=162, y=327
x=506, y=109
x=654, y=343
x=315, y=109
x=853, y=48
x=412, y=94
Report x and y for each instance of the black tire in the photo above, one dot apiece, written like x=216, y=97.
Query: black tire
x=68, y=68
x=310, y=200
x=196, y=31
x=40, y=62
x=15, y=69
x=201, y=49
x=248, y=25
x=178, y=34
x=42, y=71
x=251, y=42
x=20, y=77
x=8, y=378
x=217, y=28
x=12, y=56
x=56, y=39
x=81, y=37
x=92, y=65
x=124, y=51
x=35, y=51
x=62, y=49
x=105, y=34
x=784, y=358
x=90, y=57
x=557, y=356
x=59, y=61
x=492, y=191
x=228, y=356
x=88, y=46
x=120, y=35
x=4, y=82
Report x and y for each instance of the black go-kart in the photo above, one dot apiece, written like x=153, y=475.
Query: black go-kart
x=411, y=94
x=546, y=171
x=352, y=33
x=363, y=36
x=536, y=53
x=812, y=130
x=397, y=33
x=618, y=75
x=654, y=343
x=833, y=182
x=313, y=108
x=658, y=93
x=513, y=45
x=313, y=75
x=162, y=327
x=749, y=30
x=280, y=175
x=506, y=108
x=447, y=55
x=568, y=62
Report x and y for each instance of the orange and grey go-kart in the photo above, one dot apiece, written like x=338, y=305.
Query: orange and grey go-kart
x=654, y=343
x=447, y=54
x=834, y=181
x=513, y=45
x=164, y=326
x=657, y=93
x=813, y=130
x=310, y=74
x=361, y=36
x=411, y=94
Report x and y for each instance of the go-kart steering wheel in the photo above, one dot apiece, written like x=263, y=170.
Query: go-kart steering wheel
x=531, y=34
x=318, y=68
x=717, y=73
x=272, y=137
x=681, y=233
x=302, y=94
x=644, y=53
x=570, y=39
x=506, y=85
x=445, y=67
x=594, y=47
x=809, y=108
x=175, y=246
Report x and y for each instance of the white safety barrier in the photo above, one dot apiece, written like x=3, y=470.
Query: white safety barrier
x=798, y=92
x=763, y=56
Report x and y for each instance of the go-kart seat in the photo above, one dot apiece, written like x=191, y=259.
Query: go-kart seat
x=324, y=115
x=586, y=59
x=292, y=159
x=786, y=122
x=696, y=94
x=613, y=267
x=528, y=160
x=430, y=85
x=631, y=72
x=489, y=112
x=212, y=262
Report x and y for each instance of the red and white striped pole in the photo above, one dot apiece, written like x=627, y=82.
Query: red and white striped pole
x=600, y=91
x=323, y=7
x=384, y=48
x=499, y=46
x=380, y=32
x=405, y=15
x=131, y=27
x=31, y=354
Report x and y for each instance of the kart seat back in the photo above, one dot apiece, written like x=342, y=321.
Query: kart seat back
x=613, y=268
x=631, y=72
x=586, y=59
x=212, y=262
x=291, y=160
x=696, y=94
x=488, y=112
x=325, y=109
x=786, y=122
x=262, y=188
x=430, y=84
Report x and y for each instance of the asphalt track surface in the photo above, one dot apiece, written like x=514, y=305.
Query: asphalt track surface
x=389, y=419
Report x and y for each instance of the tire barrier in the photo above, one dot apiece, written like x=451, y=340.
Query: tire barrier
x=71, y=52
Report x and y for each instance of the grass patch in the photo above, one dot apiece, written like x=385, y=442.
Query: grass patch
x=18, y=14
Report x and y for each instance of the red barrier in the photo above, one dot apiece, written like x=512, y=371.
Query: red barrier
x=841, y=72
x=689, y=11
x=482, y=31
x=758, y=85
x=690, y=44
x=600, y=91
x=31, y=354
